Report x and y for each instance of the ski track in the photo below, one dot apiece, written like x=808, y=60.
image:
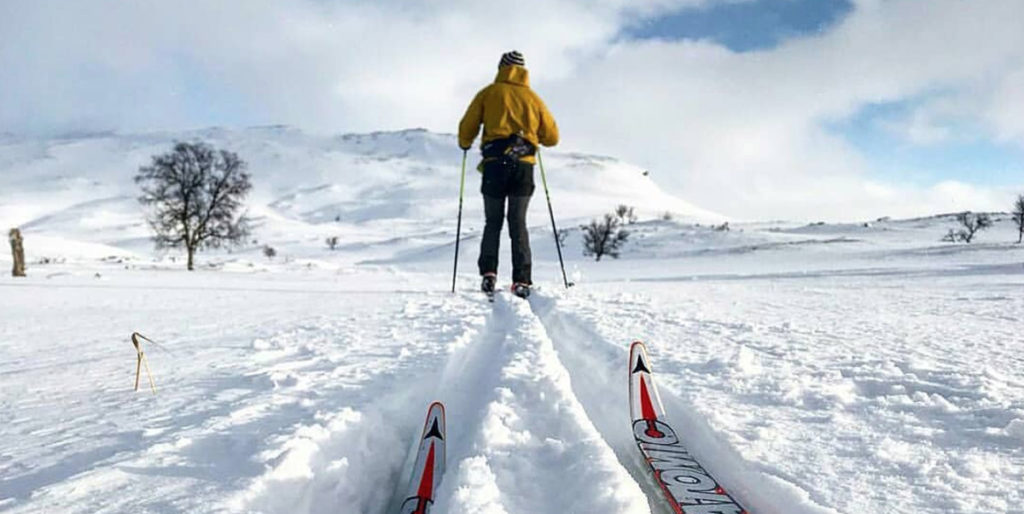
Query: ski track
x=361, y=458
x=471, y=368
x=594, y=366
x=532, y=432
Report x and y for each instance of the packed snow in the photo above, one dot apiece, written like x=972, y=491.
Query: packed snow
x=858, y=367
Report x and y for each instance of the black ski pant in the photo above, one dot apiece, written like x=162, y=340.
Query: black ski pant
x=512, y=180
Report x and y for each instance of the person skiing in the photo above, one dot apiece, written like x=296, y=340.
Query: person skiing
x=515, y=121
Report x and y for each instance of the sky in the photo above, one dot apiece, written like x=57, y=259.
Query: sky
x=758, y=109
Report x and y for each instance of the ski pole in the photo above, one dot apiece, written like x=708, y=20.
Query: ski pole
x=458, y=228
x=554, y=229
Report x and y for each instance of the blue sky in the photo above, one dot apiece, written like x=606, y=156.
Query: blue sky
x=968, y=153
x=746, y=25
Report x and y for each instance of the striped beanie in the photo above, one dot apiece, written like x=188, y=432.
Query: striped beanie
x=510, y=58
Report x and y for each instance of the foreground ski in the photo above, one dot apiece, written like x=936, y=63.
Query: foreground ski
x=687, y=486
x=429, y=467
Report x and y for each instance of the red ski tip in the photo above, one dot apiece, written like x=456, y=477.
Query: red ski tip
x=646, y=406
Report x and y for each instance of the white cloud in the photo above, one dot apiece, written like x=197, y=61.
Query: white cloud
x=738, y=133
x=931, y=123
x=1006, y=108
x=744, y=132
x=320, y=65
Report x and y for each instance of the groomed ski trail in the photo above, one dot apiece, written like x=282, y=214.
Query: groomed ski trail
x=518, y=428
x=515, y=428
x=356, y=451
x=598, y=370
x=470, y=369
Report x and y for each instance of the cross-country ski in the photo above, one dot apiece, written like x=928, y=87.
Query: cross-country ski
x=687, y=486
x=428, y=469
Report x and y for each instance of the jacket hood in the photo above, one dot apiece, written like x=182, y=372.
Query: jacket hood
x=513, y=74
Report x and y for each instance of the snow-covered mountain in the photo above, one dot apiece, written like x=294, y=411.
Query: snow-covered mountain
x=76, y=194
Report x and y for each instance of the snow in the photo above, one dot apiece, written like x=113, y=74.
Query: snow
x=860, y=367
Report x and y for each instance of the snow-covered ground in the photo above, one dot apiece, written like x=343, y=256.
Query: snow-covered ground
x=855, y=368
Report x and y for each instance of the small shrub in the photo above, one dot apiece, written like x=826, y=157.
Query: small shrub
x=625, y=214
x=604, y=237
x=970, y=225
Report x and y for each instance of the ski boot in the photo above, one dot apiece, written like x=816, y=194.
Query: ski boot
x=521, y=290
x=487, y=285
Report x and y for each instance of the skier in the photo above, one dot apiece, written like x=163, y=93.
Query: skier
x=515, y=121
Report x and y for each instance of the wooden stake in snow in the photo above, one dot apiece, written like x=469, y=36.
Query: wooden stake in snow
x=18, y=252
x=142, y=361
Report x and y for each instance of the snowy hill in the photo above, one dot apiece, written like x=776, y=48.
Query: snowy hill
x=862, y=367
x=391, y=198
x=364, y=188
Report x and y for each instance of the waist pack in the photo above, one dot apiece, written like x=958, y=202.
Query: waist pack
x=513, y=147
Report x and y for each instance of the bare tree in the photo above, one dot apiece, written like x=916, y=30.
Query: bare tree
x=970, y=224
x=269, y=252
x=604, y=237
x=625, y=214
x=195, y=194
x=332, y=242
x=1018, y=217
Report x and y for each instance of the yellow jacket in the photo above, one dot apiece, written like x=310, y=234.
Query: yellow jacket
x=506, y=107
